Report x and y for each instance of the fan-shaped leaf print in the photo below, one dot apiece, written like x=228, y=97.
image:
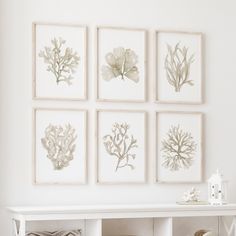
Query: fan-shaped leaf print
x=121, y=64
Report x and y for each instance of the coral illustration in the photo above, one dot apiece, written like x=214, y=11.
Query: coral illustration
x=178, y=149
x=177, y=66
x=60, y=145
x=61, y=62
x=120, y=144
x=122, y=64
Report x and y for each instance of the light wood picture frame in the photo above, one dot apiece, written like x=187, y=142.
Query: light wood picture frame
x=179, y=67
x=121, y=139
x=121, y=64
x=179, y=147
x=59, y=146
x=59, y=54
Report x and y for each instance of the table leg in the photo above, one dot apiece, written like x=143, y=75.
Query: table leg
x=19, y=227
x=231, y=230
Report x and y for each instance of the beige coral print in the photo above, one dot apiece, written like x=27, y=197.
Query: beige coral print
x=177, y=66
x=121, y=64
x=178, y=149
x=120, y=144
x=62, y=63
x=59, y=142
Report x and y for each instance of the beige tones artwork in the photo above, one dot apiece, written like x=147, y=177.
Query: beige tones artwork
x=179, y=147
x=178, y=67
x=59, y=141
x=121, y=64
x=59, y=61
x=121, y=146
x=59, y=146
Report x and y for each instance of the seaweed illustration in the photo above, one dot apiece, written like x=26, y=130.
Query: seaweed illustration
x=60, y=144
x=61, y=62
x=122, y=64
x=178, y=149
x=120, y=144
x=177, y=66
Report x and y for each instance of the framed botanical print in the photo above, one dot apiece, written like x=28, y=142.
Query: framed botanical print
x=59, y=149
x=179, y=147
x=179, y=67
x=121, y=64
x=59, y=61
x=121, y=146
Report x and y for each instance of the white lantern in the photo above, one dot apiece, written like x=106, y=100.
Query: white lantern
x=216, y=189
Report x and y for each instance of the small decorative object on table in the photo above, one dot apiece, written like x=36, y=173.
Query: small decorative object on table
x=191, y=197
x=217, y=189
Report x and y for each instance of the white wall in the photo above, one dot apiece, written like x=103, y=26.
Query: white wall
x=215, y=18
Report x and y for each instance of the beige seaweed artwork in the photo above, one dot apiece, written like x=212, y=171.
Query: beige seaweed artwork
x=120, y=144
x=121, y=64
x=61, y=61
x=177, y=66
x=59, y=142
x=178, y=149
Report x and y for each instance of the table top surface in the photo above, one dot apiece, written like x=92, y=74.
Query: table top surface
x=29, y=210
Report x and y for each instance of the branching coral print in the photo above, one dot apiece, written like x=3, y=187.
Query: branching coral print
x=178, y=149
x=177, y=66
x=121, y=64
x=61, y=62
x=120, y=145
x=59, y=143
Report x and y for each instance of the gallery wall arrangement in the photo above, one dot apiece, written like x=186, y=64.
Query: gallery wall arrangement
x=60, y=65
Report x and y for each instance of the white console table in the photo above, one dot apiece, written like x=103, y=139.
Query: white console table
x=156, y=220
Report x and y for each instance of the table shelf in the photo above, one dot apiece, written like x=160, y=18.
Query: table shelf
x=135, y=220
